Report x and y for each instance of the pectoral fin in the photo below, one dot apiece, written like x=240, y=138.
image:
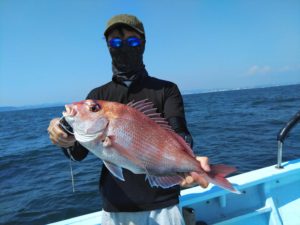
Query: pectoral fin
x=115, y=170
x=107, y=142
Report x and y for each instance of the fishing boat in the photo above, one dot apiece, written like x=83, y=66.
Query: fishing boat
x=269, y=196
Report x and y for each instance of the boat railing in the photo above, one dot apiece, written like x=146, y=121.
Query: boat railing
x=282, y=135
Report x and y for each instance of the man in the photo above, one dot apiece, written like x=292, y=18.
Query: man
x=133, y=201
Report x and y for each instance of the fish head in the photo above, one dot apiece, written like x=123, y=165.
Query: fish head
x=86, y=118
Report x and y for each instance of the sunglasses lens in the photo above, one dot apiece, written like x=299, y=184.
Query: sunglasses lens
x=133, y=41
x=115, y=42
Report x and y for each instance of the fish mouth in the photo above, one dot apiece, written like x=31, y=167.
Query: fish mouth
x=70, y=110
x=67, y=120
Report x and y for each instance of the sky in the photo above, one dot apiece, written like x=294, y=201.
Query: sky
x=53, y=51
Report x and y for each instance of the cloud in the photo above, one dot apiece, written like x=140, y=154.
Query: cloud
x=254, y=70
x=261, y=70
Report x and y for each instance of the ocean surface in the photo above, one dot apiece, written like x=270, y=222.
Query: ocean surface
x=238, y=128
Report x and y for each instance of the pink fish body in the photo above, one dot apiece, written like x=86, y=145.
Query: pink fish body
x=137, y=138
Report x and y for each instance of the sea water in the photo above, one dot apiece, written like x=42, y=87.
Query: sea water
x=237, y=128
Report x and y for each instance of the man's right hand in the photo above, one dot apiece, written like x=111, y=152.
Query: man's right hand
x=58, y=136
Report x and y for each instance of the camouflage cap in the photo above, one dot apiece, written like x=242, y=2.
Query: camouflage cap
x=125, y=19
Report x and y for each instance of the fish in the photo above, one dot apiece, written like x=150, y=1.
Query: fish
x=135, y=137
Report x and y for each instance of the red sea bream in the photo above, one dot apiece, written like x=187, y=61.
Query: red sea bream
x=136, y=138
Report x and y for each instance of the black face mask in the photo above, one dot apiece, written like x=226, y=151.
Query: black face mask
x=126, y=60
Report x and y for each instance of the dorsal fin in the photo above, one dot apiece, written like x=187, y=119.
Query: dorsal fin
x=134, y=104
x=147, y=108
x=150, y=111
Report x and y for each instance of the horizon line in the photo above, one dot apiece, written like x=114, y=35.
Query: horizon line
x=184, y=92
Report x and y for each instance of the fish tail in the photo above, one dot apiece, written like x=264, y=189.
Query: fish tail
x=217, y=176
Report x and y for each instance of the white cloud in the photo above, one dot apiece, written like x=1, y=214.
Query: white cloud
x=261, y=70
x=254, y=70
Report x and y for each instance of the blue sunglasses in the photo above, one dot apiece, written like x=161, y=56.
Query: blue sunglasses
x=118, y=42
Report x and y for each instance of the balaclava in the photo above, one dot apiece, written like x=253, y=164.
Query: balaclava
x=127, y=61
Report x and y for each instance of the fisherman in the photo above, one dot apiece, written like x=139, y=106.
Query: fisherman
x=133, y=201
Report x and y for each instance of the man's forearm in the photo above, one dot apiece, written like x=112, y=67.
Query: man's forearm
x=178, y=124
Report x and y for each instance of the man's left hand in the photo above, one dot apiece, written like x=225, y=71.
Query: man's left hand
x=189, y=180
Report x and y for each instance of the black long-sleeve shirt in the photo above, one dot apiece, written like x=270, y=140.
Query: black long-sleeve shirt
x=135, y=194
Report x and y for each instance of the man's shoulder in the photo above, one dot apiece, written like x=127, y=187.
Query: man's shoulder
x=104, y=86
x=98, y=91
x=155, y=80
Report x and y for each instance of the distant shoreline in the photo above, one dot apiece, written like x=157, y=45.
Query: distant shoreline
x=187, y=92
x=203, y=91
x=29, y=107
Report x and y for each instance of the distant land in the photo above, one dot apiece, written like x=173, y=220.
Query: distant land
x=39, y=106
x=185, y=92
x=200, y=91
x=7, y=108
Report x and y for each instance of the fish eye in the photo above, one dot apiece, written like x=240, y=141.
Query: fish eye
x=95, y=108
